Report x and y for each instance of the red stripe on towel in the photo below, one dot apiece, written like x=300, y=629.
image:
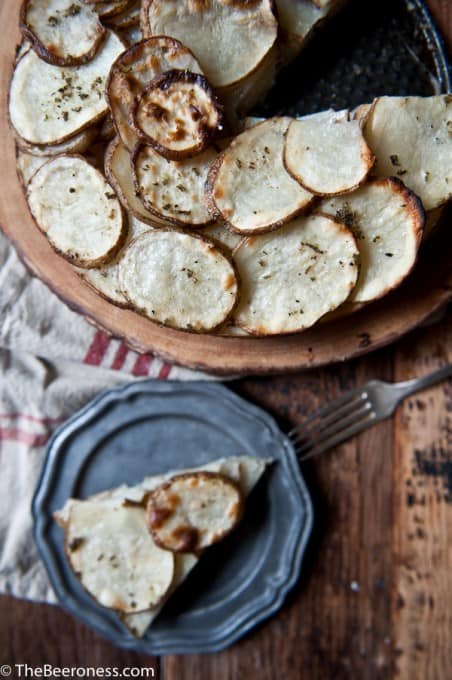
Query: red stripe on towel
x=32, y=440
x=97, y=349
x=164, y=371
x=142, y=364
x=120, y=357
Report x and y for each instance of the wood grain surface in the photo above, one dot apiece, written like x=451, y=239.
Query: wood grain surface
x=375, y=599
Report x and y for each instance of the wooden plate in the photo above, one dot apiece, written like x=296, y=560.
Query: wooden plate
x=429, y=287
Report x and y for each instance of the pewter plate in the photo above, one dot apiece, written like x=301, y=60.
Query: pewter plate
x=146, y=428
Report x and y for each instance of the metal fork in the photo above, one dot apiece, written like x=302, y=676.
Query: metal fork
x=355, y=411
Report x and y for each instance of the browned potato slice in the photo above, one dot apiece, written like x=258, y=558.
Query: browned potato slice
x=77, y=210
x=62, y=32
x=79, y=143
x=118, y=169
x=173, y=190
x=111, y=8
x=129, y=18
x=327, y=153
x=387, y=220
x=230, y=39
x=194, y=510
x=177, y=114
x=291, y=278
x=135, y=69
x=179, y=280
x=49, y=105
x=249, y=187
x=411, y=138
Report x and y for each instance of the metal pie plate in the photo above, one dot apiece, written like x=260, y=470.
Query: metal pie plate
x=148, y=428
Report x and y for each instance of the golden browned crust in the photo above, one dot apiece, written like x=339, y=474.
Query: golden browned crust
x=205, y=134
x=187, y=537
x=46, y=53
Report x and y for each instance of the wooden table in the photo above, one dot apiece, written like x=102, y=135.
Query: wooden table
x=375, y=596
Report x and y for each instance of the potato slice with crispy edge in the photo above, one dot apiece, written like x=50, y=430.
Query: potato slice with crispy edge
x=104, y=279
x=192, y=511
x=134, y=69
x=179, y=280
x=327, y=153
x=248, y=186
x=62, y=32
x=118, y=170
x=173, y=190
x=128, y=18
x=77, y=210
x=290, y=279
x=387, y=220
x=177, y=114
x=411, y=138
x=49, y=105
x=27, y=165
x=239, y=35
x=111, y=8
x=79, y=143
x=109, y=548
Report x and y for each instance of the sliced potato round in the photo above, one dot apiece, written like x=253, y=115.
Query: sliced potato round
x=239, y=34
x=249, y=187
x=387, y=220
x=49, y=104
x=79, y=143
x=105, y=279
x=62, y=32
x=297, y=21
x=135, y=69
x=77, y=210
x=118, y=169
x=327, y=153
x=112, y=553
x=173, y=190
x=292, y=278
x=411, y=138
x=27, y=165
x=192, y=511
x=177, y=114
x=128, y=18
x=179, y=280
x=111, y=8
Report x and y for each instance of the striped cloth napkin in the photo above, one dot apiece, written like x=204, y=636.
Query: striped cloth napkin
x=52, y=362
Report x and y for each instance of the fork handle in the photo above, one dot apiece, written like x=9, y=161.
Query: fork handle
x=412, y=386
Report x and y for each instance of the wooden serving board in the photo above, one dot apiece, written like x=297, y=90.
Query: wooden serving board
x=426, y=290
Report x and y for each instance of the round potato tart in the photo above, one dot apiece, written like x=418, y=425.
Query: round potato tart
x=49, y=104
x=179, y=280
x=192, y=511
x=77, y=210
x=411, y=138
x=327, y=153
x=134, y=70
x=238, y=37
x=387, y=220
x=249, y=187
x=177, y=114
x=292, y=278
x=113, y=555
x=173, y=190
x=62, y=32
